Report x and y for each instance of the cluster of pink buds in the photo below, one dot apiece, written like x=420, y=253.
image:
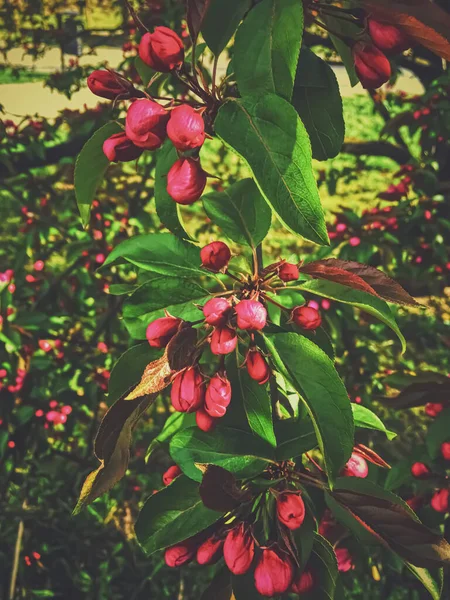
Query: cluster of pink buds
x=148, y=123
x=57, y=414
x=18, y=380
x=371, y=59
x=54, y=346
x=227, y=318
x=275, y=571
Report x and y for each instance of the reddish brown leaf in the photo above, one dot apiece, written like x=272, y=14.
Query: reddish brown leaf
x=219, y=490
x=394, y=523
x=359, y=277
x=195, y=15
x=181, y=350
x=371, y=456
x=419, y=394
x=423, y=21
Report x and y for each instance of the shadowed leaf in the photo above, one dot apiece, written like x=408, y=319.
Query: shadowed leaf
x=195, y=15
x=219, y=490
x=418, y=394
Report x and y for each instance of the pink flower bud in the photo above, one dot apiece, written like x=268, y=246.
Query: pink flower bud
x=215, y=256
x=288, y=272
x=432, y=409
x=356, y=467
x=160, y=332
x=372, y=66
x=209, y=552
x=186, y=181
x=170, y=474
x=45, y=345
x=218, y=396
x=216, y=311
x=306, y=317
x=39, y=265
x=290, y=509
x=223, y=340
x=145, y=124
x=344, y=560
x=3, y=373
x=204, y=421
x=420, y=470
x=388, y=38
x=257, y=366
x=52, y=416
x=354, y=241
x=178, y=555
x=303, y=584
x=440, y=501
x=274, y=573
x=239, y=549
x=188, y=391
x=186, y=128
x=251, y=315
x=162, y=50
x=66, y=410
x=445, y=450
x=108, y=84
x=118, y=148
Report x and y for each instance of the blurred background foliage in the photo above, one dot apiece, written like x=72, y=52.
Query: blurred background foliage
x=60, y=327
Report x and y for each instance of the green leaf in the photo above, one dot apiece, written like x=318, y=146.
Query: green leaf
x=148, y=301
x=438, y=432
x=144, y=71
x=241, y=453
x=313, y=375
x=268, y=134
x=256, y=402
x=345, y=29
x=318, y=101
x=267, y=47
x=294, y=438
x=366, y=419
x=90, y=168
x=173, y=425
x=128, y=370
x=172, y=515
x=370, y=304
x=304, y=539
x=324, y=565
x=159, y=252
x=433, y=581
x=240, y=211
x=166, y=208
x=221, y=22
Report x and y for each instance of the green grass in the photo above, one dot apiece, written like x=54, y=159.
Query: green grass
x=21, y=75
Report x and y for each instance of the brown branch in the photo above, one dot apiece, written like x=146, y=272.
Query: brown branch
x=378, y=148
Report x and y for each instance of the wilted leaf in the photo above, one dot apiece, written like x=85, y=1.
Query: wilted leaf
x=392, y=522
x=112, y=448
x=422, y=20
x=181, y=350
x=219, y=490
x=359, y=277
x=155, y=378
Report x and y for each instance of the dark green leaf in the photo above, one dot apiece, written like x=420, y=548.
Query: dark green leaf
x=148, y=301
x=324, y=565
x=175, y=422
x=195, y=15
x=365, y=418
x=240, y=211
x=294, y=438
x=159, y=252
x=318, y=101
x=438, y=432
x=344, y=29
x=256, y=402
x=90, y=168
x=370, y=304
x=314, y=377
x=244, y=587
x=167, y=209
x=219, y=490
x=241, y=453
x=267, y=47
x=128, y=370
x=221, y=22
x=220, y=586
x=172, y=515
x=144, y=71
x=304, y=539
x=269, y=135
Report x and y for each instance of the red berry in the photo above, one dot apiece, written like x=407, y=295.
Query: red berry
x=274, y=573
x=218, y=396
x=257, y=366
x=215, y=256
x=288, y=272
x=145, y=124
x=290, y=509
x=118, y=148
x=223, y=340
x=251, y=315
x=186, y=181
x=216, y=311
x=186, y=128
x=372, y=66
x=239, y=549
x=188, y=391
x=162, y=50
x=161, y=331
x=306, y=317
